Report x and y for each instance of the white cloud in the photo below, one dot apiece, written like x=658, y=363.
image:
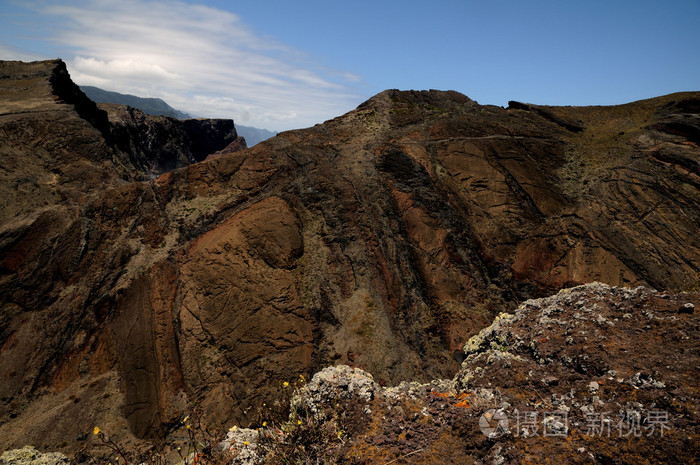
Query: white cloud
x=199, y=59
x=16, y=54
x=124, y=69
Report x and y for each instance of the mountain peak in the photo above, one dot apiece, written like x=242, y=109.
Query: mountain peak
x=432, y=97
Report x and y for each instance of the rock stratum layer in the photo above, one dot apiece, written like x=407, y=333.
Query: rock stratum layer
x=382, y=239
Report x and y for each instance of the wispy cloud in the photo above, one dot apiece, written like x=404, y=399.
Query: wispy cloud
x=8, y=52
x=199, y=59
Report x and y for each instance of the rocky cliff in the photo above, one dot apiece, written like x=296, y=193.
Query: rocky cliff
x=158, y=144
x=59, y=147
x=382, y=239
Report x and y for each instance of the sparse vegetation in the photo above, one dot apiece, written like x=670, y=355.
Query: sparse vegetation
x=199, y=448
x=289, y=432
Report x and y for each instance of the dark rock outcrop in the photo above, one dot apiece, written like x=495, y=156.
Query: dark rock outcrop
x=158, y=144
x=543, y=112
x=384, y=239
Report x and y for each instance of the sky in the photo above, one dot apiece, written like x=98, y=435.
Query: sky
x=290, y=64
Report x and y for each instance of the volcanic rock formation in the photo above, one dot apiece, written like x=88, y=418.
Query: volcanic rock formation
x=383, y=239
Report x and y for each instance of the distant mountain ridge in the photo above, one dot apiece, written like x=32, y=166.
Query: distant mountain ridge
x=254, y=135
x=150, y=106
x=157, y=106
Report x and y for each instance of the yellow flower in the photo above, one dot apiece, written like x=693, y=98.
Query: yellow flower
x=96, y=431
x=285, y=384
x=187, y=426
x=264, y=423
x=246, y=443
x=298, y=422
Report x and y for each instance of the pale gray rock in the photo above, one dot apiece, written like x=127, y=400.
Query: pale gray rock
x=28, y=455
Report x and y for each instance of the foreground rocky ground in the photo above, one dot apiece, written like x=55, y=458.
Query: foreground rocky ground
x=382, y=239
x=593, y=374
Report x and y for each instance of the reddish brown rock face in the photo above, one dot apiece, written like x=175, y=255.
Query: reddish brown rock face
x=383, y=238
x=241, y=312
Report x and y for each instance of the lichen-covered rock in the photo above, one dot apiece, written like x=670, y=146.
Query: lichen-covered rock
x=242, y=443
x=489, y=337
x=28, y=455
x=335, y=383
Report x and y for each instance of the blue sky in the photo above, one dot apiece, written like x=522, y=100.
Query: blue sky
x=285, y=64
